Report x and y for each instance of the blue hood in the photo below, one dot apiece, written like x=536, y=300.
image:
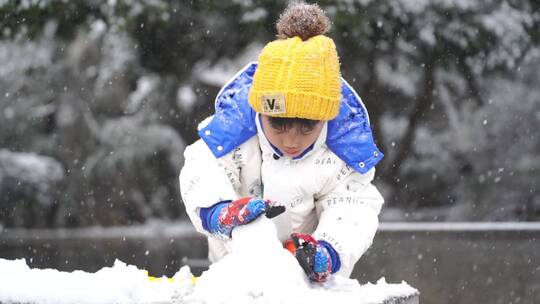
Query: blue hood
x=349, y=134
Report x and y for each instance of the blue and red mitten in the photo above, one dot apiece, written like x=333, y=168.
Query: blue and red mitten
x=318, y=259
x=223, y=217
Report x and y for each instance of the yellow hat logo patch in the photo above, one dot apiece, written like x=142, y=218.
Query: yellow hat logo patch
x=273, y=103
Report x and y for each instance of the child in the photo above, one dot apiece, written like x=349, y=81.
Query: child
x=289, y=130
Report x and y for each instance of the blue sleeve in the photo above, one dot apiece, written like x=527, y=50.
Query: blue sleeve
x=209, y=216
x=334, y=256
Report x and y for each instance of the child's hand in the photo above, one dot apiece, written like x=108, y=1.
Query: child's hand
x=312, y=255
x=236, y=213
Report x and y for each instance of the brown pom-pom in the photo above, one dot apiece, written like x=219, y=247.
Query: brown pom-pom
x=302, y=20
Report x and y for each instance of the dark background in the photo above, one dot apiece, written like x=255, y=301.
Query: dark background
x=99, y=99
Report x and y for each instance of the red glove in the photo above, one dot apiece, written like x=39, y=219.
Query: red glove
x=222, y=218
x=312, y=255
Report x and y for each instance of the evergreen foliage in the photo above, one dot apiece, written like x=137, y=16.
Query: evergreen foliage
x=112, y=91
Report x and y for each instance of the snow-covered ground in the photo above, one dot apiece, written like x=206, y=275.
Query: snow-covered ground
x=258, y=270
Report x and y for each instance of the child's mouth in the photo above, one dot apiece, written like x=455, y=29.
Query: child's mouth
x=291, y=152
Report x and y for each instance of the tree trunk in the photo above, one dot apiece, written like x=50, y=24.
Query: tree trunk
x=406, y=143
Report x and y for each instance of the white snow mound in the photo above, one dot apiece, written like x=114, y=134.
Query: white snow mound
x=258, y=270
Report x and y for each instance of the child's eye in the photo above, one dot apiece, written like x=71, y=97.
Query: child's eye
x=278, y=131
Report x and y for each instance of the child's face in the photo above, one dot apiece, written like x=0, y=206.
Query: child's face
x=292, y=141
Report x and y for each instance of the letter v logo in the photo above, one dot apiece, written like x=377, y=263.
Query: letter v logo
x=273, y=103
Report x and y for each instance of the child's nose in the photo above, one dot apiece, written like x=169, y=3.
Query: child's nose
x=291, y=141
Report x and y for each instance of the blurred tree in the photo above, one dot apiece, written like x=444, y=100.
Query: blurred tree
x=405, y=54
x=29, y=187
x=113, y=90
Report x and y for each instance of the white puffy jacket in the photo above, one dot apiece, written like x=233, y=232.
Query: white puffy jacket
x=323, y=196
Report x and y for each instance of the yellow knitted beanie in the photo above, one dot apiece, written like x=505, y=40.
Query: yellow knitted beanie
x=297, y=78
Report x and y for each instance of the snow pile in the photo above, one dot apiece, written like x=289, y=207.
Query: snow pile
x=258, y=270
x=118, y=284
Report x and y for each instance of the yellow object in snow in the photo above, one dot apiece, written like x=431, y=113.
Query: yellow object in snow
x=172, y=280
